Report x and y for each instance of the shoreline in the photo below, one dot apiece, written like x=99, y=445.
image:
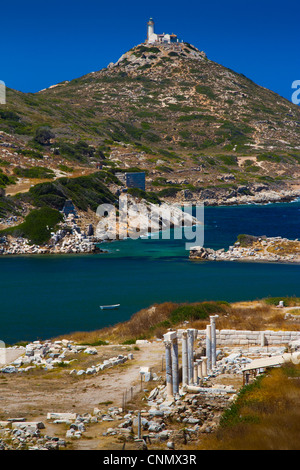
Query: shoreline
x=261, y=198
x=253, y=249
x=89, y=245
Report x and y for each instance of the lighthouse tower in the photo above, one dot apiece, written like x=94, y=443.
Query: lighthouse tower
x=150, y=28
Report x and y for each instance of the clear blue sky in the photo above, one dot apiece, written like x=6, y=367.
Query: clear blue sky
x=43, y=43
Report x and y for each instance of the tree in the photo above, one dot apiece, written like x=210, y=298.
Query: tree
x=44, y=135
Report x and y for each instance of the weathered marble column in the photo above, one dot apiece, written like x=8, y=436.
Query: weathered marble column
x=171, y=345
x=169, y=369
x=213, y=340
x=175, y=367
x=204, y=366
x=190, y=339
x=208, y=346
x=199, y=364
x=196, y=378
x=184, y=359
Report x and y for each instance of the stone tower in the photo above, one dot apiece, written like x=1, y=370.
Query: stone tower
x=150, y=28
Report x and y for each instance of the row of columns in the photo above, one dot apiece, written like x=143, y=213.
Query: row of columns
x=192, y=370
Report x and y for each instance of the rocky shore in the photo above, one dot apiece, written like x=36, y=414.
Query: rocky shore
x=252, y=194
x=71, y=237
x=272, y=249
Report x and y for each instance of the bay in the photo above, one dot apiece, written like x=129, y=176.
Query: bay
x=46, y=296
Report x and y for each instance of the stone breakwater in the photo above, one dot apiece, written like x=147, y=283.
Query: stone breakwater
x=264, y=249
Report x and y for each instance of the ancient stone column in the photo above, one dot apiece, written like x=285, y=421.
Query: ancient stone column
x=184, y=359
x=208, y=346
x=172, y=379
x=190, y=339
x=175, y=375
x=139, y=425
x=196, y=378
x=199, y=365
x=204, y=366
x=169, y=380
x=213, y=341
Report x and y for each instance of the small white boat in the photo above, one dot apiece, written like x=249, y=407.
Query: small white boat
x=109, y=307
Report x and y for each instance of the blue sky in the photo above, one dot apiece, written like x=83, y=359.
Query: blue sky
x=46, y=43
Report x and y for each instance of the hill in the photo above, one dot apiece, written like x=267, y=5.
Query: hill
x=200, y=130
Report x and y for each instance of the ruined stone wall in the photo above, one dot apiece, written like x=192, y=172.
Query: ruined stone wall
x=247, y=337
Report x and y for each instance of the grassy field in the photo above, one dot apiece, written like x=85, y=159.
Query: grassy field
x=264, y=417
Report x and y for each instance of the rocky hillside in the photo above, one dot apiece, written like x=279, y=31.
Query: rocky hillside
x=166, y=96
x=200, y=130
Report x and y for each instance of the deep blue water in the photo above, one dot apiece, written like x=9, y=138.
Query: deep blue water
x=44, y=296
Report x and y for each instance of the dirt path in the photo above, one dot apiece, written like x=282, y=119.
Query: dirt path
x=37, y=393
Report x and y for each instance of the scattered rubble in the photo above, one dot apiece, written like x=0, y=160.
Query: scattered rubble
x=47, y=355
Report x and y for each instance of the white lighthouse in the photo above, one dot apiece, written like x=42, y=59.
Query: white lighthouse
x=150, y=28
x=153, y=38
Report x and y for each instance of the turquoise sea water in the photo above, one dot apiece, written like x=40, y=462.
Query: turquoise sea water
x=44, y=296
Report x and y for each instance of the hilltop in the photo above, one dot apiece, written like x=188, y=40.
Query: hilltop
x=201, y=131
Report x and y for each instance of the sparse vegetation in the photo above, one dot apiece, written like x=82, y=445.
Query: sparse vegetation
x=265, y=415
x=37, y=226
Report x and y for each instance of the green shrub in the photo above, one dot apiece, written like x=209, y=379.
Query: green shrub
x=5, y=180
x=148, y=196
x=37, y=226
x=246, y=240
x=34, y=172
x=85, y=192
x=287, y=301
x=205, y=90
x=228, y=159
x=31, y=153
x=198, y=311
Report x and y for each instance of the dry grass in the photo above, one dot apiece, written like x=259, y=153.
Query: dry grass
x=290, y=247
x=156, y=320
x=266, y=415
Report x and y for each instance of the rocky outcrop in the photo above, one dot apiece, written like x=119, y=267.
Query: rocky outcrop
x=262, y=249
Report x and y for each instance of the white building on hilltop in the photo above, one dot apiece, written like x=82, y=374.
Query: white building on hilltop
x=2, y=92
x=153, y=38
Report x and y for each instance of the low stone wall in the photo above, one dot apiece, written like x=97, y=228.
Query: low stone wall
x=248, y=337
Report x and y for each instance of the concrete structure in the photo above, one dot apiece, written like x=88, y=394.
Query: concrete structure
x=273, y=361
x=2, y=92
x=133, y=180
x=69, y=208
x=153, y=38
x=258, y=365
